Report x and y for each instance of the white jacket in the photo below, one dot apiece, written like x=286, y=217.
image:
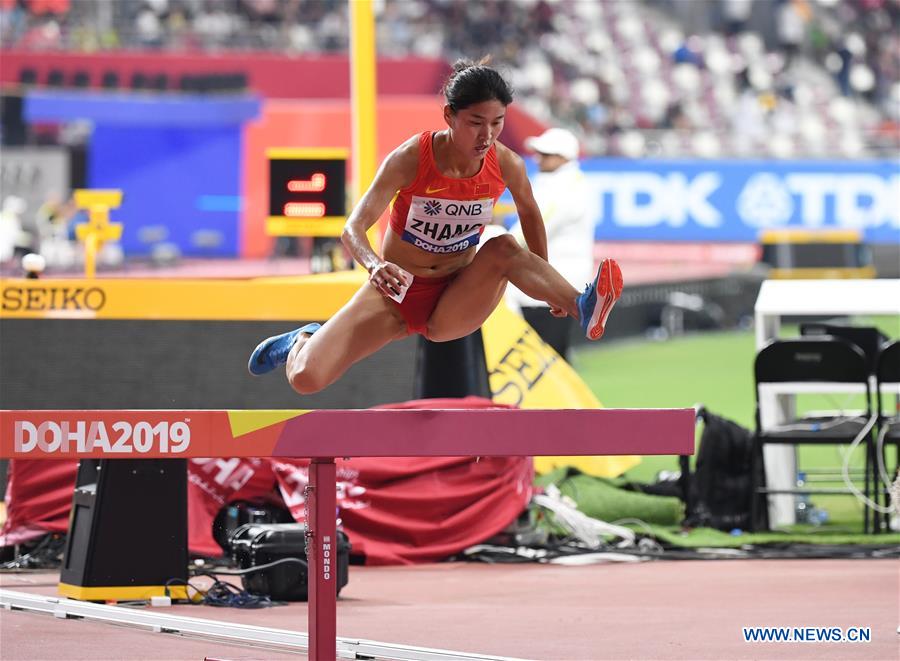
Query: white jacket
x=562, y=197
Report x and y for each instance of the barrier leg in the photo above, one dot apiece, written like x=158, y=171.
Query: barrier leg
x=322, y=556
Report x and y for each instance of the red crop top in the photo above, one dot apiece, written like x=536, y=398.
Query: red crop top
x=443, y=215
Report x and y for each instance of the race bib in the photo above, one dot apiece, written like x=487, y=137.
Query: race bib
x=446, y=226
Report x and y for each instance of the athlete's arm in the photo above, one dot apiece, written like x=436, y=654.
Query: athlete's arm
x=513, y=168
x=397, y=171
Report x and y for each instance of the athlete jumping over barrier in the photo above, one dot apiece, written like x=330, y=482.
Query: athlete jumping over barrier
x=430, y=279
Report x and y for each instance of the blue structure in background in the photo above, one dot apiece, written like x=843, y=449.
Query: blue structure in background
x=721, y=200
x=167, y=174
x=178, y=159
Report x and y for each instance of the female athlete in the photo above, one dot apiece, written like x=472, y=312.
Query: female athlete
x=446, y=184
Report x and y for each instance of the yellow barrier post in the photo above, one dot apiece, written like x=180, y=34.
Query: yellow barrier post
x=363, y=86
x=98, y=229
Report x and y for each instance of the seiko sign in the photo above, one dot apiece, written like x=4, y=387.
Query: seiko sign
x=48, y=299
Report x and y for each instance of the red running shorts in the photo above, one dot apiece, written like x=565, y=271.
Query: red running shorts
x=420, y=300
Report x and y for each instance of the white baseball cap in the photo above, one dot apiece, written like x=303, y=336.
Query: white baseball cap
x=555, y=141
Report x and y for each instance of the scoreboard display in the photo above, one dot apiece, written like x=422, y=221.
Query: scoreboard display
x=307, y=192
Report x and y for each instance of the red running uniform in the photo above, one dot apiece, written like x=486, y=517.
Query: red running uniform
x=443, y=216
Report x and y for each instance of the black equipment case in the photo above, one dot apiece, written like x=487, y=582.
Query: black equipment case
x=255, y=544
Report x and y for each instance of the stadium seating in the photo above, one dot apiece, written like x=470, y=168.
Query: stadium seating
x=662, y=78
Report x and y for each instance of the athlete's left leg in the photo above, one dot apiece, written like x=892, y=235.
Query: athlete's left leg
x=475, y=292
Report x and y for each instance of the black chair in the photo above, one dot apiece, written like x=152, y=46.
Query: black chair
x=110, y=80
x=139, y=80
x=189, y=83
x=81, y=79
x=159, y=82
x=887, y=377
x=821, y=360
x=56, y=78
x=867, y=338
x=28, y=76
x=237, y=82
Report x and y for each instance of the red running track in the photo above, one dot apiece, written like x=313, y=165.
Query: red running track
x=656, y=610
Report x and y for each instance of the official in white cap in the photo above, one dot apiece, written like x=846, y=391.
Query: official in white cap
x=561, y=191
x=554, y=142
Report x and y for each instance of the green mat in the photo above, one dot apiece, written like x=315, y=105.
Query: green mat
x=660, y=517
x=602, y=499
x=709, y=538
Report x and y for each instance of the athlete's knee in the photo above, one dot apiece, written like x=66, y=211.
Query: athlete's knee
x=304, y=380
x=502, y=248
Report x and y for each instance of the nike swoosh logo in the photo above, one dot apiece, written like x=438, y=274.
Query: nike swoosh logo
x=429, y=191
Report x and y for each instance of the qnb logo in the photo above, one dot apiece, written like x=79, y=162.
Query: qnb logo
x=457, y=211
x=467, y=209
x=67, y=437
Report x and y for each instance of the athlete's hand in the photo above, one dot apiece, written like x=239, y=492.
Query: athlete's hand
x=558, y=312
x=387, y=278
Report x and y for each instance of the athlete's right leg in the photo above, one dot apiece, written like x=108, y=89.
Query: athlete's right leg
x=360, y=328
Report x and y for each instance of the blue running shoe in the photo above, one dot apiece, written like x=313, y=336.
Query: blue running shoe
x=273, y=351
x=598, y=299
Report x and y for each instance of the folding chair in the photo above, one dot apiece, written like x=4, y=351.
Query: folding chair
x=822, y=364
x=887, y=380
x=868, y=338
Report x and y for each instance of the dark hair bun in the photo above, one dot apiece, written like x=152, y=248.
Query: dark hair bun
x=475, y=82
